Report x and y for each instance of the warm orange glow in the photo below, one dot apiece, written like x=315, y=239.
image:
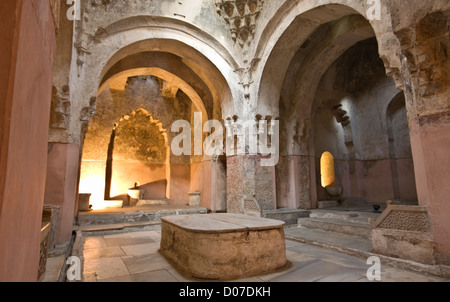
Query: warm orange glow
x=92, y=181
x=328, y=174
x=105, y=204
x=95, y=185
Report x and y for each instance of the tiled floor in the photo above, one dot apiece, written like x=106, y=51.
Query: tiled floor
x=134, y=257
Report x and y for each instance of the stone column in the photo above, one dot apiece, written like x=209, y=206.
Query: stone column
x=61, y=187
x=251, y=176
x=430, y=143
x=296, y=182
x=425, y=79
x=26, y=57
x=240, y=182
x=248, y=180
x=213, y=187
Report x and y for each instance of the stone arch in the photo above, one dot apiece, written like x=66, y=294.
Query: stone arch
x=118, y=82
x=289, y=29
x=201, y=53
x=201, y=73
x=307, y=42
x=99, y=157
x=401, y=163
x=140, y=153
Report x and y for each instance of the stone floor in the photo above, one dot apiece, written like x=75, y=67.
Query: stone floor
x=134, y=257
x=53, y=268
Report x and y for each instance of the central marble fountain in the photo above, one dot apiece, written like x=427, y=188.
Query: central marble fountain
x=223, y=246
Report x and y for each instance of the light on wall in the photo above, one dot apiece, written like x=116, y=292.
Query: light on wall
x=327, y=171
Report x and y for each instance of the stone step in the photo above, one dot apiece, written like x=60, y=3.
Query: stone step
x=362, y=230
x=325, y=239
x=351, y=216
x=289, y=216
x=333, y=215
x=110, y=229
x=324, y=204
x=143, y=202
x=349, y=202
x=135, y=215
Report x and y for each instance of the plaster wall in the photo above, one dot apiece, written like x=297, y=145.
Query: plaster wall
x=430, y=145
x=60, y=187
x=29, y=38
x=372, y=150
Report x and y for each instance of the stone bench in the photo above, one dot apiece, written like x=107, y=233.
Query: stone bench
x=223, y=246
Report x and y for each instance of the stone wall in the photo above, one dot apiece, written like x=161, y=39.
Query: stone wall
x=136, y=154
x=28, y=47
x=359, y=116
x=423, y=75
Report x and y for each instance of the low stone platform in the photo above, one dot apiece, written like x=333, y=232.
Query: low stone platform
x=223, y=246
x=127, y=215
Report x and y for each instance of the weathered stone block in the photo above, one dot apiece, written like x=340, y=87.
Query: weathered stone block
x=195, y=199
x=412, y=246
x=404, y=232
x=223, y=246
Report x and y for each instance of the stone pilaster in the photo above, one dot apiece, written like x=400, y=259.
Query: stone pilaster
x=296, y=184
x=248, y=180
x=61, y=187
x=430, y=145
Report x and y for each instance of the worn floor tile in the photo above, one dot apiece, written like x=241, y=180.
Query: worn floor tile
x=329, y=255
x=107, y=252
x=90, y=277
x=292, y=266
x=94, y=243
x=297, y=257
x=318, y=271
x=395, y=275
x=147, y=263
x=105, y=268
x=178, y=276
x=138, y=234
x=141, y=249
x=124, y=241
x=154, y=276
x=346, y=260
x=290, y=243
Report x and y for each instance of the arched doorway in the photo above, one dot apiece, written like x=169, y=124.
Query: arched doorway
x=402, y=166
x=331, y=85
x=138, y=158
x=169, y=88
x=349, y=118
